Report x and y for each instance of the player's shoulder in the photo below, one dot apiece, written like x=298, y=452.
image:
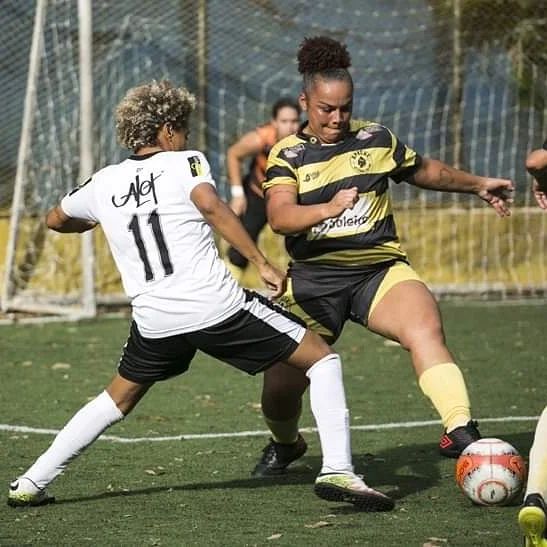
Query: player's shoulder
x=371, y=132
x=288, y=148
x=267, y=133
x=369, y=126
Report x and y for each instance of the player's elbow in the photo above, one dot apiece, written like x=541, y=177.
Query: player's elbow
x=53, y=220
x=536, y=161
x=277, y=225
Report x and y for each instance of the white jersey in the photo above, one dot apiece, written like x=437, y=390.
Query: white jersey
x=162, y=245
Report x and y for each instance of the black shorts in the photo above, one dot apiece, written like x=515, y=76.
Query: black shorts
x=325, y=297
x=254, y=338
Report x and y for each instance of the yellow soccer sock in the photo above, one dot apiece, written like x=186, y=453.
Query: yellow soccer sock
x=445, y=387
x=537, y=473
x=285, y=431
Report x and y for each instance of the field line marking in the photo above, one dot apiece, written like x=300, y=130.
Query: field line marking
x=197, y=436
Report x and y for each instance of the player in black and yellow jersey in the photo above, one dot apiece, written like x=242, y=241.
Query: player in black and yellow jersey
x=326, y=190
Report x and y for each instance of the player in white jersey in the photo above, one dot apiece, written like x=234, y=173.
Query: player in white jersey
x=156, y=209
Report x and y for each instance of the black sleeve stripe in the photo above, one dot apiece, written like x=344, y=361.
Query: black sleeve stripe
x=399, y=152
x=407, y=172
x=277, y=171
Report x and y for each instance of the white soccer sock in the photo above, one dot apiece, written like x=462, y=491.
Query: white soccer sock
x=84, y=427
x=537, y=473
x=328, y=404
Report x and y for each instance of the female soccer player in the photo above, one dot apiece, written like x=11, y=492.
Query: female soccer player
x=247, y=199
x=156, y=209
x=532, y=517
x=326, y=190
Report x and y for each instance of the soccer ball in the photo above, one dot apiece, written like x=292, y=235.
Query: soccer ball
x=490, y=472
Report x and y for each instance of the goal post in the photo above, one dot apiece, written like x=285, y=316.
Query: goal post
x=27, y=234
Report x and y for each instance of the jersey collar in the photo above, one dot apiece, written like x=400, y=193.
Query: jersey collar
x=137, y=157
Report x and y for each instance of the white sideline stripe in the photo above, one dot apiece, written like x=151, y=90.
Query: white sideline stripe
x=194, y=436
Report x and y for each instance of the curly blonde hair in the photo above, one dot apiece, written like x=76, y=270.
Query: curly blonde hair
x=146, y=108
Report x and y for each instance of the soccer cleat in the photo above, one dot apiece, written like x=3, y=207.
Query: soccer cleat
x=277, y=456
x=24, y=493
x=454, y=443
x=532, y=519
x=350, y=488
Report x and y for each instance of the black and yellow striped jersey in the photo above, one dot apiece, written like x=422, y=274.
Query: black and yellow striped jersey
x=365, y=158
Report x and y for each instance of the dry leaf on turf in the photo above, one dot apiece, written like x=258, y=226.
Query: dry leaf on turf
x=320, y=524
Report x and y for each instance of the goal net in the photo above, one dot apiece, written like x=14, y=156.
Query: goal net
x=464, y=82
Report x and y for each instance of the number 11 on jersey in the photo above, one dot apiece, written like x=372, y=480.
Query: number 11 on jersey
x=134, y=228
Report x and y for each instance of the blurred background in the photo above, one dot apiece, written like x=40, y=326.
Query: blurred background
x=464, y=81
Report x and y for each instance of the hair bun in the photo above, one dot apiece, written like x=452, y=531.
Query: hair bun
x=320, y=53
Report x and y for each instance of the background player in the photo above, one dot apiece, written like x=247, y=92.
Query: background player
x=247, y=197
x=532, y=517
x=327, y=191
x=156, y=209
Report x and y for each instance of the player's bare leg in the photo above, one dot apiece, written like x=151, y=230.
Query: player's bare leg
x=409, y=314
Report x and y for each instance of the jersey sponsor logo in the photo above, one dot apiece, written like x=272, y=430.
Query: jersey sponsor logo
x=139, y=190
x=350, y=220
x=195, y=166
x=79, y=187
x=360, y=161
x=311, y=176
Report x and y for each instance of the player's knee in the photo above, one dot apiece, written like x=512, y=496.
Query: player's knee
x=430, y=333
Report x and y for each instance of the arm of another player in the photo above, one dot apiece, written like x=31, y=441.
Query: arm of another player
x=436, y=175
x=536, y=164
x=248, y=145
x=59, y=221
x=228, y=225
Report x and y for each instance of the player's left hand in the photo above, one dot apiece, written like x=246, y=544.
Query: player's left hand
x=274, y=279
x=498, y=193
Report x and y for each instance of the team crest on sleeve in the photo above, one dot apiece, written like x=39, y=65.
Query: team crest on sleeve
x=196, y=168
x=292, y=151
x=360, y=161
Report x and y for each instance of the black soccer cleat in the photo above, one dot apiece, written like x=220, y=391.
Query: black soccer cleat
x=454, y=443
x=532, y=521
x=276, y=457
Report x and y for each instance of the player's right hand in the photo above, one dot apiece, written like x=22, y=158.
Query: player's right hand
x=343, y=199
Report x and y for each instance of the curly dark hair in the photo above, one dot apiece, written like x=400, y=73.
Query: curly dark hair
x=325, y=58
x=321, y=53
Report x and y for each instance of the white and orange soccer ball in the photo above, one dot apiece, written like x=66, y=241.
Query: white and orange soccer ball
x=491, y=472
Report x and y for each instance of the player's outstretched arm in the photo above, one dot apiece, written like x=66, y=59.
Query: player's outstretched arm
x=227, y=224
x=536, y=164
x=58, y=220
x=436, y=175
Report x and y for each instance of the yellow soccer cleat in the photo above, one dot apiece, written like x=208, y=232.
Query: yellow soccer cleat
x=532, y=521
